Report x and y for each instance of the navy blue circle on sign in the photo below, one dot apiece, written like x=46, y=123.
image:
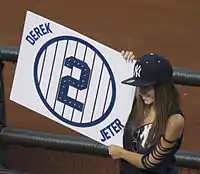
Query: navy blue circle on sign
x=42, y=97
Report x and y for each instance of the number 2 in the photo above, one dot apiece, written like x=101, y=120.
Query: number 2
x=67, y=81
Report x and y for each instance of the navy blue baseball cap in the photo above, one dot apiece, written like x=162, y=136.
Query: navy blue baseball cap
x=150, y=69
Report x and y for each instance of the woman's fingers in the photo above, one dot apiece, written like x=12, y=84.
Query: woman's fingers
x=122, y=53
x=128, y=55
x=131, y=56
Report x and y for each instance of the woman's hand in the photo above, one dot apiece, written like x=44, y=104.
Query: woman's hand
x=128, y=55
x=115, y=151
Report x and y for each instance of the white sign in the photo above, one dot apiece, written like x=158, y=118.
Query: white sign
x=72, y=80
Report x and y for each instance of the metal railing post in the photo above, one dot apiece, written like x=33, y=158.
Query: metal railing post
x=2, y=114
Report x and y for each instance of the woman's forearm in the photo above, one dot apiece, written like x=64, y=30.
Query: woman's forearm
x=133, y=158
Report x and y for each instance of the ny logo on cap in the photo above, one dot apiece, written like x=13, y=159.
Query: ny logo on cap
x=137, y=71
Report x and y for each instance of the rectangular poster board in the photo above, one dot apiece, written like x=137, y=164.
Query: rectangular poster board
x=72, y=80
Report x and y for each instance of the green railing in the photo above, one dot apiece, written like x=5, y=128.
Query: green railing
x=188, y=162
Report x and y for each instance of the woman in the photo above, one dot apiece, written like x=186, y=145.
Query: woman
x=154, y=130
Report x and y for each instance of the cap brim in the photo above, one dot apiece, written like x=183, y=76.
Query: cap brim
x=136, y=82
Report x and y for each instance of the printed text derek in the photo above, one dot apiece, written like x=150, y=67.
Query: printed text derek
x=37, y=32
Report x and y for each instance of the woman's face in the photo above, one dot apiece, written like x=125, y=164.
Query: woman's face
x=147, y=94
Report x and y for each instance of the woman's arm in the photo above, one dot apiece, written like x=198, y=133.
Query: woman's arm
x=173, y=131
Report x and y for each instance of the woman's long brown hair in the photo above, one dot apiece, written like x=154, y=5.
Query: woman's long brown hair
x=166, y=102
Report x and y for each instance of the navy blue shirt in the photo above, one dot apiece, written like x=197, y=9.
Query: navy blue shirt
x=135, y=142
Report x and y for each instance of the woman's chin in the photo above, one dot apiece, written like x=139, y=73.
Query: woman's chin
x=148, y=102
